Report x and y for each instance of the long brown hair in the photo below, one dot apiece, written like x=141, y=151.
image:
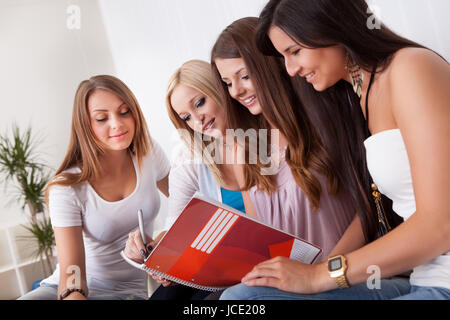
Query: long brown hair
x=84, y=148
x=281, y=108
x=337, y=110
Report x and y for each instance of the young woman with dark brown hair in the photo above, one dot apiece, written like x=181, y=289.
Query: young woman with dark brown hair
x=328, y=44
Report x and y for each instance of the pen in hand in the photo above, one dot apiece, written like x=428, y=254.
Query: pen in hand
x=142, y=232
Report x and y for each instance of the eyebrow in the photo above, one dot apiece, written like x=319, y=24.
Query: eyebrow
x=190, y=102
x=290, y=47
x=96, y=110
x=193, y=98
x=234, y=73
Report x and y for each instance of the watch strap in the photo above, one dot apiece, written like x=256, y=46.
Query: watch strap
x=342, y=282
x=68, y=291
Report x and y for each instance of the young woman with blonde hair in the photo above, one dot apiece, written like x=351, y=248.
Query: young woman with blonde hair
x=112, y=169
x=197, y=112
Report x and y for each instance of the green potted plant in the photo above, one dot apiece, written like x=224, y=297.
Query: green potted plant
x=20, y=165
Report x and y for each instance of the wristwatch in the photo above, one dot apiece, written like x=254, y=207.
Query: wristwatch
x=337, y=267
x=68, y=291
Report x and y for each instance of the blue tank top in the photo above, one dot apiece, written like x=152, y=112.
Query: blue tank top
x=233, y=199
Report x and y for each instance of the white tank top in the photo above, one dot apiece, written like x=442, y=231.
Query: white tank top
x=388, y=164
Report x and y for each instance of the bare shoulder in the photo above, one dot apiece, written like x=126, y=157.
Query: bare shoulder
x=419, y=84
x=416, y=62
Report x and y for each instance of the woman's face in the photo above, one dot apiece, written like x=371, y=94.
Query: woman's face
x=198, y=110
x=111, y=120
x=235, y=75
x=322, y=67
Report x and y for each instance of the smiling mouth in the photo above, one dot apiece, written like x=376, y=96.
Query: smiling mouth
x=249, y=101
x=119, y=135
x=209, y=124
x=309, y=76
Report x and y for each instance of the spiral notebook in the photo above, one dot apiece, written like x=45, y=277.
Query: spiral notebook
x=211, y=246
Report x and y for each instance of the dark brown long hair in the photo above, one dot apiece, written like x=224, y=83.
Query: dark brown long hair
x=281, y=108
x=337, y=110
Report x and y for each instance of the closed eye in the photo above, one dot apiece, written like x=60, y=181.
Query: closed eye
x=187, y=117
x=125, y=113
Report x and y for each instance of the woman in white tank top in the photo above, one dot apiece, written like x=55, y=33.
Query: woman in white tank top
x=408, y=154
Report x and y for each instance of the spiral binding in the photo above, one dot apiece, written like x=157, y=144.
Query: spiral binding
x=143, y=267
x=179, y=281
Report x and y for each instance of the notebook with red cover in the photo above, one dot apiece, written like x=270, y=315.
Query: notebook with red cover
x=211, y=246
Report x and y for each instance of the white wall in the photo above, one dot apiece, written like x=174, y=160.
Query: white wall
x=140, y=41
x=42, y=62
x=150, y=39
x=424, y=21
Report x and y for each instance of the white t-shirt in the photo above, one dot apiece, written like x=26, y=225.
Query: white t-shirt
x=106, y=225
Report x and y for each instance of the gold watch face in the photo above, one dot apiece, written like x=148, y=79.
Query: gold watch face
x=334, y=264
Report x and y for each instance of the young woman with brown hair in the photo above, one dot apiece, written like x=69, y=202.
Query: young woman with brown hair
x=111, y=170
x=308, y=199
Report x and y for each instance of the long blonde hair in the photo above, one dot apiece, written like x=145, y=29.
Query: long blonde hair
x=84, y=148
x=195, y=74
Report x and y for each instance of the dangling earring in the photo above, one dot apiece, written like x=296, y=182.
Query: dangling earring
x=356, y=75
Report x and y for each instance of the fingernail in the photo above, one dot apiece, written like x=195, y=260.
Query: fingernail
x=143, y=253
x=149, y=248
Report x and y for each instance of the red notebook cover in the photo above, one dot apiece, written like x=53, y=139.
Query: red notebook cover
x=212, y=246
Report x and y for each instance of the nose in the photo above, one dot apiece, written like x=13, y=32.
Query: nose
x=292, y=67
x=236, y=90
x=198, y=118
x=115, y=122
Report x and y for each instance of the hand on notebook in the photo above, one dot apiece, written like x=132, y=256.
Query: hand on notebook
x=284, y=274
x=135, y=249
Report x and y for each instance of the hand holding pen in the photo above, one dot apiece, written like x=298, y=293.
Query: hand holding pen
x=139, y=245
x=146, y=248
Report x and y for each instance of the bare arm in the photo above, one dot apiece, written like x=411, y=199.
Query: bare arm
x=420, y=84
x=163, y=185
x=249, y=208
x=420, y=101
x=352, y=239
x=71, y=259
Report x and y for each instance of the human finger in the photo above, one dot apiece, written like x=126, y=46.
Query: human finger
x=260, y=272
x=131, y=251
x=263, y=281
